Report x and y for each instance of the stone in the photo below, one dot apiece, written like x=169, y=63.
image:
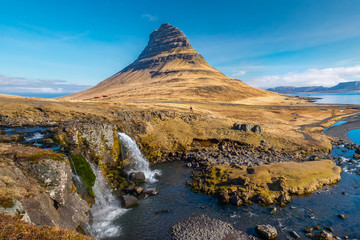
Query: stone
x=223, y=197
x=137, y=177
x=295, y=235
x=356, y=156
x=324, y=235
x=266, y=232
x=308, y=230
x=129, y=201
x=235, y=200
x=342, y=216
x=245, y=127
x=264, y=143
x=151, y=191
x=256, y=129
x=138, y=190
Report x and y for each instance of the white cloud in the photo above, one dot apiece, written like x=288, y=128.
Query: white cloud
x=237, y=73
x=327, y=77
x=150, y=17
x=18, y=85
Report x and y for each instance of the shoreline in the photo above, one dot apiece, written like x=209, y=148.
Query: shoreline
x=341, y=131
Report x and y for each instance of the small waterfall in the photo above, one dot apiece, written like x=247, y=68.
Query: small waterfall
x=138, y=162
x=105, y=210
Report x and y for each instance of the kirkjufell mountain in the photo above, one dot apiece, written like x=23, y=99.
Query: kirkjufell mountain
x=169, y=69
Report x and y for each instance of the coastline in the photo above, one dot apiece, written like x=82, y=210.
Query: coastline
x=341, y=131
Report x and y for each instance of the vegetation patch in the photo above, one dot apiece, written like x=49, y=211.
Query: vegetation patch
x=6, y=202
x=266, y=184
x=47, y=154
x=14, y=228
x=85, y=172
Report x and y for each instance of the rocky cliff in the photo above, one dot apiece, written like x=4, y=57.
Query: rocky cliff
x=37, y=185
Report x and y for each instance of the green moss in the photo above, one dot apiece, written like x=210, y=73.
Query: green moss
x=85, y=172
x=116, y=149
x=49, y=154
x=6, y=202
x=2, y=132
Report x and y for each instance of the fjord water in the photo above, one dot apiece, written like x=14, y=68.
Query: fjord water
x=334, y=98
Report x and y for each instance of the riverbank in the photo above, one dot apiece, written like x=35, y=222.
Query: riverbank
x=342, y=131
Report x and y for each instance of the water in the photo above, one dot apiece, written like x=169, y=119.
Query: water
x=334, y=98
x=320, y=208
x=336, y=124
x=354, y=135
x=106, y=209
x=138, y=162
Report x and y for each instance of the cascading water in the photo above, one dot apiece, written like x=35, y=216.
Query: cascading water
x=105, y=210
x=138, y=162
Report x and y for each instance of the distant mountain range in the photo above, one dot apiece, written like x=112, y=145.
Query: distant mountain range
x=340, y=88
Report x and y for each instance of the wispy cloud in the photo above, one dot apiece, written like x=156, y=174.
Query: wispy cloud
x=312, y=77
x=150, y=17
x=18, y=85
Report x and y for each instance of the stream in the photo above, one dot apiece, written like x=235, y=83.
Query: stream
x=154, y=216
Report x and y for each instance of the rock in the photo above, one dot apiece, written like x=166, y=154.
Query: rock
x=143, y=196
x=189, y=165
x=151, y=191
x=129, y=201
x=264, y=143
x=324, y=235
x=137, y=177
x=329, y=229
x=356, y=156
x=273, y=211
x=223, y=197
x=245, y=127
x=256, y=129
x=138, y=190
x=317, y=227
x=162, y=211
x=266, y=231
x=250, y=170
x=295, y=235
x=342, y=216
x=235, y=200
x=308, y=230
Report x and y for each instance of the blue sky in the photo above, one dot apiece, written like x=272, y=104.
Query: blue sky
x=58, y=47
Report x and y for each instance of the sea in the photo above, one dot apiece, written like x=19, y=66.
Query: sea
x=334, y=98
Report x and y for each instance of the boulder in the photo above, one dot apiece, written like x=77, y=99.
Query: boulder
x=256, y=129
x=129, y=201
x=266, y=231
x=137, y=177
x=246, y=127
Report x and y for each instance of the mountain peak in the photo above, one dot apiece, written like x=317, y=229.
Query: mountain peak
x=165, y=39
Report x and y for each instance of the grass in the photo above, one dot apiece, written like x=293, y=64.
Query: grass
x=270, y=181
x=12, y=228
x=6, y=202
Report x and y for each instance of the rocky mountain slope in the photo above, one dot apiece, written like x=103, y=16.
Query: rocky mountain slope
x=169, y=69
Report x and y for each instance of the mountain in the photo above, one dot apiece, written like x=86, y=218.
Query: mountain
x=169, y=69
x=340, y=88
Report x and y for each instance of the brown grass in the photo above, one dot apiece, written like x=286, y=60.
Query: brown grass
x=12, y=228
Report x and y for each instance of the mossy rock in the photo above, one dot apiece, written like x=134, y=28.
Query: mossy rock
x=48, y=154
x=85, y=172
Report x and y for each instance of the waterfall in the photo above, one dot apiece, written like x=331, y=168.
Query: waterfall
x=138, y=162
x=105, y=210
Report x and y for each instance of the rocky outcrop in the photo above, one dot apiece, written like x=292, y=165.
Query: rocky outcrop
x=264, y=184
x=39, y=183
x=247, y=128
x=203, y=227
x=266, y=232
